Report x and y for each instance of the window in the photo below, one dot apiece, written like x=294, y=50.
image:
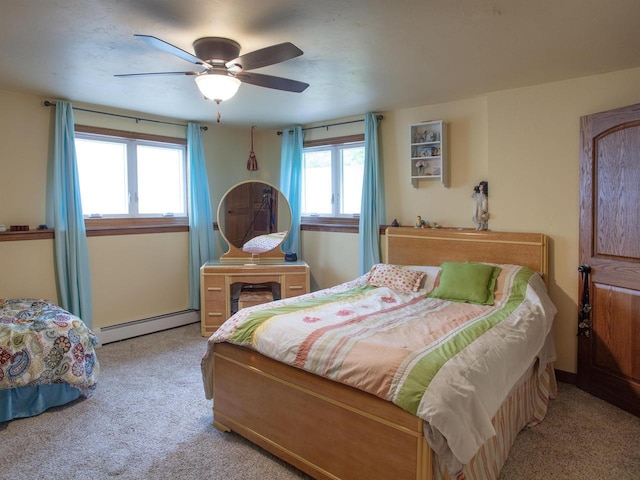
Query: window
x=124, y=177
x=332, y=179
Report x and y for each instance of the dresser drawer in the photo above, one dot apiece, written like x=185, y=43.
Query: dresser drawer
x=213, y=286
x=212, y=315
x=208, y=329
x=295, y=284
x=214, y=308
x=213, y=311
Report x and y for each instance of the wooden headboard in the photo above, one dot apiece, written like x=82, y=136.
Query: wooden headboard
x=417, y=246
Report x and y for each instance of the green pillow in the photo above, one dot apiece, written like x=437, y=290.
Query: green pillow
x=467, y=282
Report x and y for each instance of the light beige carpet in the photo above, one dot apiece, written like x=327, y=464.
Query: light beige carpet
x=149, y=420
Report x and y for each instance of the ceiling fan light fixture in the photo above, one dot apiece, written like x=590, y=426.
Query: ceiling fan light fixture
x=217, y=86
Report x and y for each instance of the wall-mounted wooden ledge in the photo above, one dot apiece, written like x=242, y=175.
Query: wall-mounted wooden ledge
x=107, y=227
x=49, y=233
x=28, y=235
x=311, y=224
x=135, y=230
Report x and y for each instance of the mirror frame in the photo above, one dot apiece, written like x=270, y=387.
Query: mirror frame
x=235, y=254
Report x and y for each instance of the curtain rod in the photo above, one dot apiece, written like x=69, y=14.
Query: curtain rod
x=47, y=103
x=379, y=117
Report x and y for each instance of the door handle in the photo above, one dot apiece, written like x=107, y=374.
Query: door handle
x=584, y=313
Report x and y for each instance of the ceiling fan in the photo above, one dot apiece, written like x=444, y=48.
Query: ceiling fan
x=224, y=69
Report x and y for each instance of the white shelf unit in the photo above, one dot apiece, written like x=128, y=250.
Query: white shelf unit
x=429, y=153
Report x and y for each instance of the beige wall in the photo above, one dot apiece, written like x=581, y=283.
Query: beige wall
x=333, y=257
x=523, y=141
x=133, y=276
x=227, y=151
x=468, y=163
x=534, y=139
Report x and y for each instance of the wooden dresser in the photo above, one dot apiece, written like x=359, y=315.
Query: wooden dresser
x=221, y=282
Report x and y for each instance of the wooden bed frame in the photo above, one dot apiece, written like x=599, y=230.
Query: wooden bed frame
x=332, y=431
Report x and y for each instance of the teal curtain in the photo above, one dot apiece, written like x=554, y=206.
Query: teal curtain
x=201, y=246
x=291, y=183
x=72, y=255
x=372, y=210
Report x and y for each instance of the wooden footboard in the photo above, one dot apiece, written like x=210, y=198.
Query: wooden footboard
x=326, y=429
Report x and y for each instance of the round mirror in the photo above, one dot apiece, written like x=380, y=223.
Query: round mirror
x=254, y=218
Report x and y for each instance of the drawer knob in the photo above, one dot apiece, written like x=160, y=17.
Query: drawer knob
x=214, y=314
x=295, y=287
x=214, y=289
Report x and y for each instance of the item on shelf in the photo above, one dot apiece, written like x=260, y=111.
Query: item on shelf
x=252, y=295
x=395, y=223
x=420, y=223
x=481, y=205
x=19, y=228
x=290, y=257
x=3, y=228
x=42, y=227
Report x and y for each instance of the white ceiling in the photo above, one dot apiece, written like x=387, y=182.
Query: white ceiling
x=359, y=55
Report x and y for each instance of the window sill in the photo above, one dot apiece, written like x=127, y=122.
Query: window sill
x=330, y=224
x=333, y=224
x=99, y=227
x=109, y=226
x=45, y=234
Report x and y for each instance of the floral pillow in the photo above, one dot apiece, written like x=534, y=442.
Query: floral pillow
x=397, y=278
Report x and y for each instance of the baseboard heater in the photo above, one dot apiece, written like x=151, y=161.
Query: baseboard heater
x=144, y=326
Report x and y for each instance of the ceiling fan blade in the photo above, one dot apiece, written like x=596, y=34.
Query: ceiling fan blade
x=269, y=81
x=267, y=56
x=155, y=74
x=171, y=49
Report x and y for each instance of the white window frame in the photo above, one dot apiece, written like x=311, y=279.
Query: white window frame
x=336, y=178
x=132, y=142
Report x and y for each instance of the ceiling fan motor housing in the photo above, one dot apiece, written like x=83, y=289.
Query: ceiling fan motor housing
x=212, y=49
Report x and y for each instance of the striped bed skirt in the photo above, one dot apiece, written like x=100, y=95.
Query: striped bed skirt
x=526, y=406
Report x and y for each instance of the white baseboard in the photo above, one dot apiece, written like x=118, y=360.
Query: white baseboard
x=146, y=325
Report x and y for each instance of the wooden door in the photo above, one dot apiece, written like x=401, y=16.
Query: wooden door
x=609, y=351
x=238, y=213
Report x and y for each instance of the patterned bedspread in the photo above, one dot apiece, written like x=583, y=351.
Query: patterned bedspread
x=450, y=363
x=40, y=343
